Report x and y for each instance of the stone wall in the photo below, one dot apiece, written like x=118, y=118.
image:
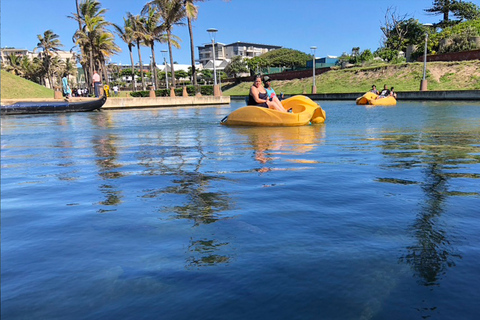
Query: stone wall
x=453, y=56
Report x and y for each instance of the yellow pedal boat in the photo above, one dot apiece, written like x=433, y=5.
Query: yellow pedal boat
x=304, y=111
x=370, y=98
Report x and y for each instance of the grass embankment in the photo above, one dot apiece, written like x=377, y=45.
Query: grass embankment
x=14, y=87
x=458, y=75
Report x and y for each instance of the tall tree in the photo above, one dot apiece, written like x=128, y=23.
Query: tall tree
x=464, y=10
x=82, y=60
x=126, y=34
x=15, y=64
x=93, y=25
x=172, y=12
x=105, y=47
x=192, y=13
x=236, y=66
x=138, y=32
x=152, y=33
x=50, y=44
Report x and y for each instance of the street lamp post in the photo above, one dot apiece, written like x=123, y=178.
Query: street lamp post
x=216, y=89
x=314, y=86
x=423, y=83
x=164, y=54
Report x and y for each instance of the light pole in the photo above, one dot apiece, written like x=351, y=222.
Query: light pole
x=314, y=86
x=216, y=90
x=164, y=54
x=423, y=83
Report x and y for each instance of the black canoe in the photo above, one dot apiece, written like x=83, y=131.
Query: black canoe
x=53, y=106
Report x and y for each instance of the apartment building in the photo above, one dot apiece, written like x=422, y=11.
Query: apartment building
x=224, y=53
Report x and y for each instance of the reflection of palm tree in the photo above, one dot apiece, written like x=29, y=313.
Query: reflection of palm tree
x=106, y=160
x=205, y=252
x=202, y=207
x=432, y=254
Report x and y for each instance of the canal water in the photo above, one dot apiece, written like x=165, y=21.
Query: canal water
x=166, y=214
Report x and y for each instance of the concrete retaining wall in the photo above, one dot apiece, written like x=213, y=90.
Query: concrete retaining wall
x=123, y=103
x=467, y=95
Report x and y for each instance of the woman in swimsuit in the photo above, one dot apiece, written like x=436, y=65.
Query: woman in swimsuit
x=258, y=96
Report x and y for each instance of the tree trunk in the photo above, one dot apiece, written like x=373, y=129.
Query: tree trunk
x=82, y=51
x=192, y=52
x=154, y=67
x=141, y=65
x=133, y=68
x=105, y=73
x=90, y=69
x=171, y=57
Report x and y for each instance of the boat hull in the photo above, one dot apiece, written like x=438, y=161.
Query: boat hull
x=370, y=98
x=38, y=107
x=304, y=111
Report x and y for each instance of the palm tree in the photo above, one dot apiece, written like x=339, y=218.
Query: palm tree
x=192, y=13
x=93, y=25
x=50, y=44
x=15, y=65
x=171, y=12
x=138, y=33
x=126, y=34
x=105, y=47
x=152, y=34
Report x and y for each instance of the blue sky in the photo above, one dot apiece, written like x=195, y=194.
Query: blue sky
x=333, y=26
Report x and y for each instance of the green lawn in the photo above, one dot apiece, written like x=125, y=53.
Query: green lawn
x=14, y=87
x=459, y=75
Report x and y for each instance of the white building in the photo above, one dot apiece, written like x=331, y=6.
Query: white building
x=224, y=53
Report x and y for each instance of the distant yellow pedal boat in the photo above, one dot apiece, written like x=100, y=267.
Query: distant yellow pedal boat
x=370, y=98
x=304, y=111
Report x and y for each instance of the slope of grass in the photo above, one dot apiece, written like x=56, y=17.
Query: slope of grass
x=14, y=87
x=458, y=75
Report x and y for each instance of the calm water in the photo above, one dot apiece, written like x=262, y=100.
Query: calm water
x=165, y=214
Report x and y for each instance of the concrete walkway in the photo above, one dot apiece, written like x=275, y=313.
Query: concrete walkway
x=159, y=102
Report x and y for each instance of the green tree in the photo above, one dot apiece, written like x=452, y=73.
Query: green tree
x=50, y=44
x=255, y=64
x=365, y=56
x=191, y=12
x=236, y=66
x=126, y=34
x=466, y=11
x=286, y=58
x=15, y=65
x=139, y=33
x=153, y=33
x=91, y=18
x=172, y=13
x=463, y=10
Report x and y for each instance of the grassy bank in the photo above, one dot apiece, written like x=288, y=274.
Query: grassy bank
x=458, y=75
x=14, y=87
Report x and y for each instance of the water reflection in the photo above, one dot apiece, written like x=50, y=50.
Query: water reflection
x=104, y=145
x=268, y=141
x=436, y=153
x=205, y=252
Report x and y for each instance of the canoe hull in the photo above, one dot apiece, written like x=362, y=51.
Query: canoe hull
x=370, y=98
x=304, y=111
x=39, y=107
